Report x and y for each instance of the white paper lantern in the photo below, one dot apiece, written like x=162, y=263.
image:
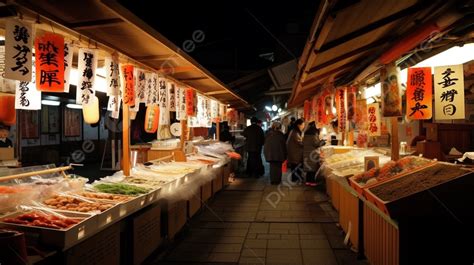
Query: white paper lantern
x=91, y=111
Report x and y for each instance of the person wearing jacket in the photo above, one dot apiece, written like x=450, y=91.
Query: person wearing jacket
x=294, y=146
x=311, y=144
x=254, y=140
x=275, y=152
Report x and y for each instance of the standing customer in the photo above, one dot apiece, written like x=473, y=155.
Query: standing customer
x=254, y=140
x=275, y=152
x=294, y=145
x=311, y=144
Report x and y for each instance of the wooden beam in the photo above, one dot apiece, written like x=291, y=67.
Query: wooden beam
x=193, y=78
x=126, y=140
x=177, y=69
x=92, y=24
x=218, y=92
x=329, y=73
x=275, y=93
x=155, y=57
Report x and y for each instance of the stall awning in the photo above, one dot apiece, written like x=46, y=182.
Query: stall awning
x=109, y=23
x=349, y=36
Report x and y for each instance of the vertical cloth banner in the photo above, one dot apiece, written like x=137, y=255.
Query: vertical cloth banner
x=128, y=95
x=341, y=107
x=214, y=110
x=172, y=96
x=191, y=102
x=18, y=50
x=449, y=92
x=114, y=106
x=112, y=76
x=361, y=115
x=49, y=55
x=320, y=111
x=163, y=99
x=138, y=91
x=419, y=93
x=151, y=93
x=27, y=97
x=141, y=85
x=373, y=116
x=182, y=104
x=222, y=112
x=391, y=97
x=87, y=67
x=351, y=105
x=68, y=55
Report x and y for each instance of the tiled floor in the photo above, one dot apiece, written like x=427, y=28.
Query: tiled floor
x=252, y=222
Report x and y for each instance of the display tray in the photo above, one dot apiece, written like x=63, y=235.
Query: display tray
x=133, y=205
x=439, y=189
x=59, y=238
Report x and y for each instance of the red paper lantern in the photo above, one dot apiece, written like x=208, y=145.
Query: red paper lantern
x=151, y=118
x=7, y=109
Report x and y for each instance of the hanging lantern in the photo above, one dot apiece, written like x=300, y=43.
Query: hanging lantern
x=91, y=111
x=7, y=109
x=151, y=118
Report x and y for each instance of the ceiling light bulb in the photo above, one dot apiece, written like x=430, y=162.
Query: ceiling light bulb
x=274, y=108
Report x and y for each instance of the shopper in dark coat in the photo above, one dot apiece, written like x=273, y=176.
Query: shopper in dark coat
x=225, y=135
x=311, y=144
x=294, y=146
x=254, y=140
x=275, y=151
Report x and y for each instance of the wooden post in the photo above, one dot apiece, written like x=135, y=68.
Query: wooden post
x=218, y=131
x=126, y=140
x=184, y=131
x=395, y=142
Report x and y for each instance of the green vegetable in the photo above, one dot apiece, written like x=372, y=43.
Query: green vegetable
x=120, y=189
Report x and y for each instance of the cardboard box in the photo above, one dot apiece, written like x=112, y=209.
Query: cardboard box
x=146, y=233
x=102, y=248
x=7, y=153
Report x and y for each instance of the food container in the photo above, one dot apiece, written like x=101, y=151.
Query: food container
x=59, y=238
x=133, y=205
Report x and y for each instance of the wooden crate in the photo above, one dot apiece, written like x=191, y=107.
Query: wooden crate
x=146, y=233
x=206, y=191
x=217, y=182
x=349, y=214
x=194, y=203
x=176, y=217
x=381, y=237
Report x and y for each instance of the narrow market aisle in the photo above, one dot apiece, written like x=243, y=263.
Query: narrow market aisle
x=253, y=222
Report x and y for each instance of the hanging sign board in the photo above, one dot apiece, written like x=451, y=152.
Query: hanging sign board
x=87, y=66
x=128, y=86
x=27, y=97
x=191, y=102
x=351, y=105
x=419, y=93
x=172, y=96
x=361, y=115
x=182, y=104
x=141, y=85
x=449, y=92
x=49, y=54
x=112, y=76
x=307, y=109
x=18, y=50
x=373, y=115
x=151, y=91
x=68, y=55
x=391, y=97
x=341, y=108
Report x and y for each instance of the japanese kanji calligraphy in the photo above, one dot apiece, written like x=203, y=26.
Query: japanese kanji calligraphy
x=214, y=110
x=181, y=107
x=87, y=66
x=419, y=93
x=163, y=93
x=373, y=116
x=141, y=85
x=128, y=95
x=112, y=76
x=18, y=48
x=68, y=55
x=49, y=50
x=191, y=102
x=172, y=96
x=151, y=91
x=341, y=106
x=27, y=97
x=449, y=92
x=391, y=97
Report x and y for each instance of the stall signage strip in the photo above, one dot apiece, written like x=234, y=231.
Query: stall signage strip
x=49, y=54
x=172, y=96
x=373, y=115
x=68, y=55
x=151, y=92
x=419, y=93
x=18, y=50
x=128, y=85
x=341, y=106
x=449, y=92
x=87, y=66
x=391, y=98
x=112, y=76
x=27, y=97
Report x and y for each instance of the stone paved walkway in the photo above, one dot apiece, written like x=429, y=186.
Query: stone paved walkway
x=252, y=222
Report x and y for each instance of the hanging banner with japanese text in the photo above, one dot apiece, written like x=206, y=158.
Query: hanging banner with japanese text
x=191, y=102
x=222, y=112
x=68, y=55
x=361, y=115
x=114, y=106
x=112, y=76
x=136, y=105
x=449, y=92
x=351, y=105
x=172, y=96
x=341, y=108
x=328, y=107
x=6, y=85
x=163, y=93
x=128, y=95
x=49, y=55
x=373, y=116
x=87, y=66
x=141, y=85
x=419, y=93
x=182, y=104
x=214, y=110
x=306, y=110
x=151, y=91
x=320, y=111
x=314, y=109
x=391, y=96
x=18, y=50
x=27, y=97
